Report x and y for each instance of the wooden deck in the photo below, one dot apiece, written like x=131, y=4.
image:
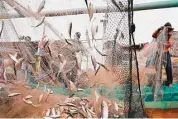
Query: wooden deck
x=158, y=113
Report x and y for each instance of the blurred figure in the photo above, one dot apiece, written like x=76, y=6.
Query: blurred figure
x=167, y=44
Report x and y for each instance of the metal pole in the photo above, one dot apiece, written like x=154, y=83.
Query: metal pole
x=136, y=7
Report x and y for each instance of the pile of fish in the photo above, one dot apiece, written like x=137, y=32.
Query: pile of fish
x=85, y=108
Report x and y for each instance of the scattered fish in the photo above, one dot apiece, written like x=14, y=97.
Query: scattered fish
x=102, y=66
x=96, y=96
x=14, y=94
x=90, y=11
x=27, y=101
x=99, y=51
x=40, y=98
x=28, y=97
x=70, y=29
x=97, y=70
x=34, y=105
x=48, y=112
x=87, y=38
x=14, y=58
x=41, y=6
x=93, y=62
x=105, y=111
x=62, y=66
x=2, y=27
x=42, y=21
x=93, y=29
x=86, y=2
x=116, y=106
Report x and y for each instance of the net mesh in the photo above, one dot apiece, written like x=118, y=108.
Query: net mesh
x=63, y=65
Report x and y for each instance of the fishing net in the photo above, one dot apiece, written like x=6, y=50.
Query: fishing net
x=9, y=32
x=67, y=64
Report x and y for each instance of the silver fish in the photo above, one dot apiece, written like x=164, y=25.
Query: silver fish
x=41, y=6
x=28, y=97
x=93, y=29
x=105, y=110
x=90, y=11
x=70, y=29
x=42, y=21
x=93, y=62
x=27, y=101
x=14, y=94
x=40, y=98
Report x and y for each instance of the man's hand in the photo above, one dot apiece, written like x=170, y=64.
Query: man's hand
x=161, y=28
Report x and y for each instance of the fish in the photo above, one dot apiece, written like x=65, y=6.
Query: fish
x=48, y=112
x=14, y=94
x=105, y=110
x=96, y=96
x=97, y=70
x=86, y=2
x=116, y=106
x=93, y=29
x=93, y=60
x=14, y=58
x=41, y=6
x=2, y=27
x=73, y=88
x=90, y=11
x=99, y=51
x=53, y=111
x=28, y=97
x=115, y=4
x=102, y=66
x=62, y=67
x=27, y=101
x=34, y=105
x=40, y=98
x=42, y=21
x=4, y=74
x=68, y=42
x=70, y=29
x=87, y=38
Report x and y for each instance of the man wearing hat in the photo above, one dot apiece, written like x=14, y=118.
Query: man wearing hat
x=167, y=45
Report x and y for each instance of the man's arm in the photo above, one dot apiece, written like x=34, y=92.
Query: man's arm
x=156, y=33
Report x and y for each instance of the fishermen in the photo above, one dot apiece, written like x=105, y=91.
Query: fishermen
x=167, y=45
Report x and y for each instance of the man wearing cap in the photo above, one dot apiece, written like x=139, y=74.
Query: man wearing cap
x=167, y=45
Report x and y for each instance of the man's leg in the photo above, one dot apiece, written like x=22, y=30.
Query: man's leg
x=169, y=70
